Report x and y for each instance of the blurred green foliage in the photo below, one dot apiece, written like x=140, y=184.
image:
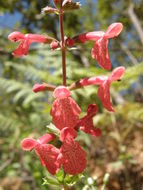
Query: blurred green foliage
x=24, y=113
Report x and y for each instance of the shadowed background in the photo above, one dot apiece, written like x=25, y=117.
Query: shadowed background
x=119, y=150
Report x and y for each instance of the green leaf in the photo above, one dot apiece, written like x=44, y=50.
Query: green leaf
x=50, y=181
x=72, y=179
x=60, y=175
x=52, y=129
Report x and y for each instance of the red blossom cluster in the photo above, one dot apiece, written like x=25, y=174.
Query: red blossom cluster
x=65, y=112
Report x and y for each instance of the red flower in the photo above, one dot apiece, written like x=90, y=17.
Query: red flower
x=100, y=49
x=104, y=85
x=48, y=153
x=86, y=123
x=65, y=111
x=25, y=41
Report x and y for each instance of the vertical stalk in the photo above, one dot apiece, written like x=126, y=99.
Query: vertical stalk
x=62, y=45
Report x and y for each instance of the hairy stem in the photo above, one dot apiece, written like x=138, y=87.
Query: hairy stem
x=62, y=45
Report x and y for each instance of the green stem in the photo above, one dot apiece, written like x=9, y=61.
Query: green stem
x=62, y=45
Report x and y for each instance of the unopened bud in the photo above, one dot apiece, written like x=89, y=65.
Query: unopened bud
x=54, y=45
x=69, y=42
x=38, y=88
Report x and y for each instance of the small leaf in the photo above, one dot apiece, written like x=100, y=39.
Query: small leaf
x=52, y=129
x=50, y=181
x=47, y=10
x=72, y=179
x=60, y=175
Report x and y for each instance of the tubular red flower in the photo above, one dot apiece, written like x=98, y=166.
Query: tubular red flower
x=65, y=111
x=86, y=123
x=100, y=48
x=48, y=153
x=73, y=158
x=104, y=85
x=25, y=41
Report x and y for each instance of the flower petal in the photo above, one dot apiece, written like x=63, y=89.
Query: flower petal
x=94, y=36
x=113, y=30
x=86, y=123
x=28, y=144
x=46, y=138
x=100, y=53
x=61, y=92
x=65, y=113
x=16, y=36
x=104, y=95
x=92, y=81
x=36, y=38
x=22, y=49
x=117, y=73
x=48, y=155
x=73, y=157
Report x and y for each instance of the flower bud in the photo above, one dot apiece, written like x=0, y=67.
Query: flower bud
x=70, y=42
x=38, y=87
x=54, y=45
